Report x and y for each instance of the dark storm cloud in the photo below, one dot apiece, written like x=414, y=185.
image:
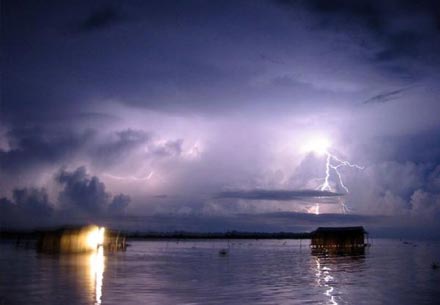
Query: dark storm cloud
x=120, y=145
x=102, y=18
x=322, y=219
x=130, y=138
x=28, y=206
x=160, y=196
x=271, y=59
x=30, y=147
x=32, y=201
x=419, y=147
x=83, y=198
x=431, y=7
x=119, y=204
x=26, y=149
x=196, y=97
x=87, y=194
x=371, y=14
x=278, y=195
x=142, y=72
x=400, y=44
x=96, y=116
x=336, y=12
x=386, y=96
x=169, y=148
x=373, y=26
x=82, y=191
x=146, y=72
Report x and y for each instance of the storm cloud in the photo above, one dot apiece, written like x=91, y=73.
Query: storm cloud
x=87, y=194
x=35, y=147
x=81, y=199
x=27, y=207
x=153, y=109
x=101, y=18
x=278, y=195
x=385, y=96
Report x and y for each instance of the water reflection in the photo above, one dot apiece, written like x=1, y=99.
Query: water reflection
x=260, y=273
x=97, y=266
x=325, y=279
x=334, y=273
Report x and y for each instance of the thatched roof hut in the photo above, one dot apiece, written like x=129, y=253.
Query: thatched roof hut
x=338, y=238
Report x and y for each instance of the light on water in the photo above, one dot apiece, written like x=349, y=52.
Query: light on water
x=97, y=265
x=192, y=272
x=95, y=240
x=324, y=279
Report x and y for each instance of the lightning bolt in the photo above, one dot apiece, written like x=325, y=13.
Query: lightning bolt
x=334, y=163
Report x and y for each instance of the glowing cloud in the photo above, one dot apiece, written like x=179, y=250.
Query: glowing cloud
x=318, y=145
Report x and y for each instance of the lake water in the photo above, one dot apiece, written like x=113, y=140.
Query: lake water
x=193, y=272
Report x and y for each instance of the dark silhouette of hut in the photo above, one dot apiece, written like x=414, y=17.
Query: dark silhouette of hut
x=338, y=239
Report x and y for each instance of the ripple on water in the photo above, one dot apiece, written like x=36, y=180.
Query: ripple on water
x=253, y=272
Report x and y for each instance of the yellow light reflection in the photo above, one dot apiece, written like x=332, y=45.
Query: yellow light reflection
x=97, y=266
x=95, y=237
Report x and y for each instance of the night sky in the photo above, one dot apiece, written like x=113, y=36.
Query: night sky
x=196, y=115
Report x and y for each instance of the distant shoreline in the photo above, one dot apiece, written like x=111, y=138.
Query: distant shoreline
x=176, y=235
x=214, y=235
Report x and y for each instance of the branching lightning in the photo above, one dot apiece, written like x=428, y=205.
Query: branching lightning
x=339, y=163
x=334, y=163
x=320, y=146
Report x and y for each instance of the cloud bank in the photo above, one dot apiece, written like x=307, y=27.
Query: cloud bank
x=277, y=195
x=168, y=105
x=82, y=199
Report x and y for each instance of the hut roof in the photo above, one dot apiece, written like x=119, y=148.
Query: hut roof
x=340, y=229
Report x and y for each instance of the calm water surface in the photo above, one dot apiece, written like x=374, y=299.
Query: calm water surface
x=192, y=272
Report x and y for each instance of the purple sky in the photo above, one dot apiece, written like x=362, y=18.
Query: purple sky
x=193, y=115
